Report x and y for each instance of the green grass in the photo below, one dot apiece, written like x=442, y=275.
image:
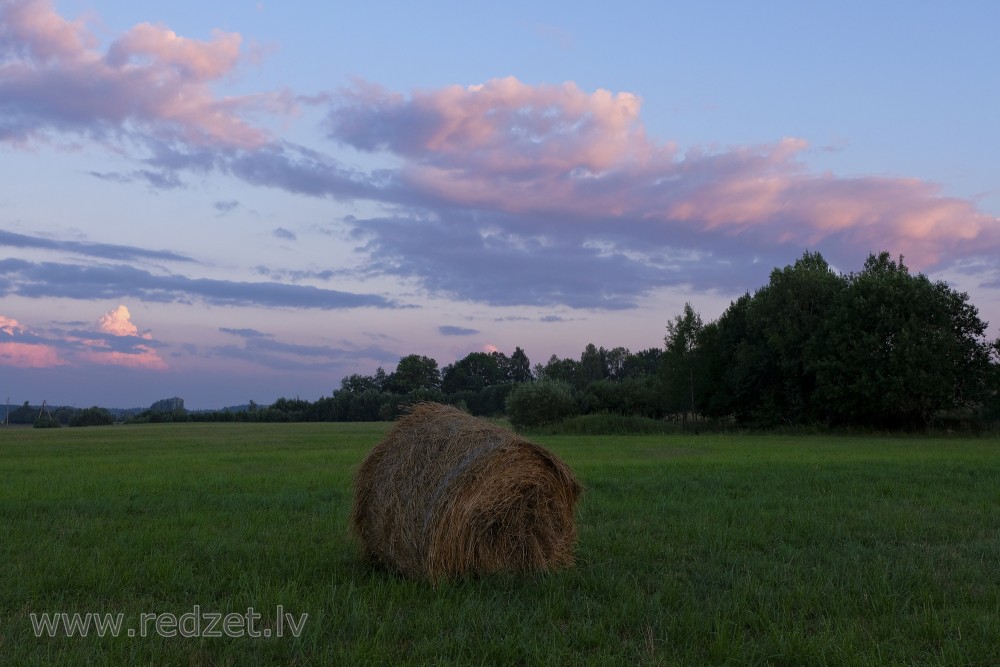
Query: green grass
x=694, y=550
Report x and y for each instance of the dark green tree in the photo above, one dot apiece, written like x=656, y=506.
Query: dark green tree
x=357, y=383
x=593, y=365
x=901, y=349
x=94, y=416
x=520, y=366
x=615, y=361
x=474, y=372
x=414, y=372
x=559, y=370
x=543, y=402
x=645, y=363
x=680, y=361
x=764, y=352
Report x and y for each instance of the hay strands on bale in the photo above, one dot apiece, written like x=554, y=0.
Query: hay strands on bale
x=445, y=494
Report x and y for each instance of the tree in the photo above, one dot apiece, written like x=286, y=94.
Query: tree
x=559, y=370
x=414, y=372
x=680, y=360
x=357, y=383
x=645, y=363
x=770, y=344
x=174, y=405
x=474, y=372
x=94, y=416
x=901, y=349
x=45, y=419
x=543, y=402
x=615, y=361
x=520, y=366
x=593, y=365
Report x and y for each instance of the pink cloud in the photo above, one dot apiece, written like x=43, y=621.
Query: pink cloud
x=150, y=80
x=563, y=158
x=39, y=31
x=501, y=126
x=142, y=357
x=9, y=326
x=118, y=322
x=28, y=355
x=115, y=342
x=22, y=354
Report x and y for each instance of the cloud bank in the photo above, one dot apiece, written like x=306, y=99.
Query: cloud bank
x=262, y=349
x=504, y=192
x=113, y=281
x=113, y=341
x=149, y=82
x=566, y=189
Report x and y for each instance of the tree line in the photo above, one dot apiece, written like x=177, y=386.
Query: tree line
x=881, y=348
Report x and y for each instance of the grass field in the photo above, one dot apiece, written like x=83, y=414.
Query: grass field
x=694, y=550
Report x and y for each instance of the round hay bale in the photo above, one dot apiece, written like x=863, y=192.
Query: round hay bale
x=445, y=494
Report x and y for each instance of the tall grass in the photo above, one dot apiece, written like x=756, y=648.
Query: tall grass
x=709, y=549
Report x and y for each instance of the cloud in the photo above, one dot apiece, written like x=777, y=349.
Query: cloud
x=502, y=127
x=149, y=82
x=99, y=250
x=448, y=330
x=9, y=326
x=113, y=341
x=500, y=268
x=21, y=349
x=226, y=206
x=504, y=193
x=262, y=349
x=121, y=344
x=290, y=167
x=284, y=234
x=25, y=355
x=114, y=281
x=519, y=194
x=297, y=275
x=117, y=322
x=244, y=333
x=158, y=180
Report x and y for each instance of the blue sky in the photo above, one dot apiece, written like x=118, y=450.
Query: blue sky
x=238, y=200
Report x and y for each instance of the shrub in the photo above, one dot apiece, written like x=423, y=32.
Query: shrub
x=544, y=402
x=94, y=416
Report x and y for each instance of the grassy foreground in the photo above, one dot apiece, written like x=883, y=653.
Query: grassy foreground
x=694, y=550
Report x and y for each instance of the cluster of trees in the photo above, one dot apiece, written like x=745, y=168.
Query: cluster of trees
x=881, y=348
x=42, y=416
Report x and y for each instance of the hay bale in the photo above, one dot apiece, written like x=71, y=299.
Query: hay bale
x=446, y=494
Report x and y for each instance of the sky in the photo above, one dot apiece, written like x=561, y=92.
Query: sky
x=235, y=201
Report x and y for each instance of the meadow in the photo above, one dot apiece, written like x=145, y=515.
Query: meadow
x=693, y=550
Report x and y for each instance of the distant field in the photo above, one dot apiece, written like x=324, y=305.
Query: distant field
x=694, y=550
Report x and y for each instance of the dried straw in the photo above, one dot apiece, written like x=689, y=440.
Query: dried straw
x=445, y=494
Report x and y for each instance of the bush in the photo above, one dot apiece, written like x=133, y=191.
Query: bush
x=536, y=403
x=46, y=421
x=94, y=416
x=610, y=423
x=625, y=397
